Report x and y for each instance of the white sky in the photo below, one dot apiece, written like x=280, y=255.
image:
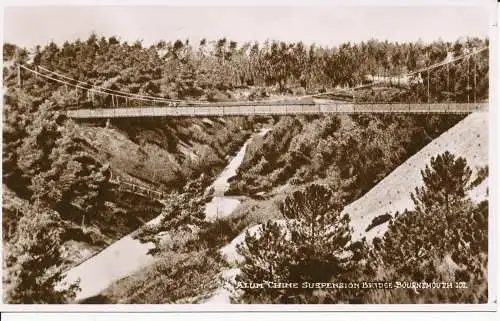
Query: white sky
x=324, y=25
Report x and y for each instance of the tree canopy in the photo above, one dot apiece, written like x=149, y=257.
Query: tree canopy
x=180, y=70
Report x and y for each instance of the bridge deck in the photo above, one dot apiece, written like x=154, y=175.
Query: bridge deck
x=235, y=110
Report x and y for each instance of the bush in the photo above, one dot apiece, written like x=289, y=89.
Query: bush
x=378, y=220
x=175, y=276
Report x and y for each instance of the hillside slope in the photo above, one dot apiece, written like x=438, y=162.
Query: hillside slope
x=158, y=154
x=468, y=139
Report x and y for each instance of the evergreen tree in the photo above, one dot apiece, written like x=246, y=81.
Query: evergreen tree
x=446, y=181
x=443, y=240
x=312, y=245
x=33, y=262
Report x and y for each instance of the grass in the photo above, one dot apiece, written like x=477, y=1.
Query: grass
x=174, y=277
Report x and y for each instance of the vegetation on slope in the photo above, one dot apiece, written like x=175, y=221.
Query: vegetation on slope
x=313, y=245
x=54, y=166
x=66, y=168
x=444, y=240
x=188, y=206
x=225, y=70
x=174, y=276
x=353, y=152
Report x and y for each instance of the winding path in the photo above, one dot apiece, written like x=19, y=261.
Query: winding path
x=129, y=255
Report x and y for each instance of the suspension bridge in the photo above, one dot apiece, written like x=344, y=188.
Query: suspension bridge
x=122, y=104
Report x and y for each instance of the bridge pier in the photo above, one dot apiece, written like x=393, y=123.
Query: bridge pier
x=108, y=122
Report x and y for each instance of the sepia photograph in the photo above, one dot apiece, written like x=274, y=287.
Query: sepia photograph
x=236, y=156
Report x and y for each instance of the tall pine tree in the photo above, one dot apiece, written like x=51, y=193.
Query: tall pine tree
x=313, y=245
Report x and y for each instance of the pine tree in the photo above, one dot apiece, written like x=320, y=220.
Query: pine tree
x=312, y=245
x=33, y=263
x=446, y=181
x=444, y=239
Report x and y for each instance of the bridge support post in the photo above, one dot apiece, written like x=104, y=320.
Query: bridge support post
x=428, y=86
x=108, y=122
x=19, y=78
x=468, y=80
x=475, y=66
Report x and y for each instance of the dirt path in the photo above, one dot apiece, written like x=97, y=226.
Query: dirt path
x=129, y=255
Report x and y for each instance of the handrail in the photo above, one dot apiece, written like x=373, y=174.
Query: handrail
x=136, y=189
x=219, y=111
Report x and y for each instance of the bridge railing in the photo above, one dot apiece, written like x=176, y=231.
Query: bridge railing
x=276, y=110
x=140, y=190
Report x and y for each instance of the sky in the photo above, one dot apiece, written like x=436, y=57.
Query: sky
x=324, y=25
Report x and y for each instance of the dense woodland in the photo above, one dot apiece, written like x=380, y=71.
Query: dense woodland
x=214, y=70
x=353, y=151
x=56, y=177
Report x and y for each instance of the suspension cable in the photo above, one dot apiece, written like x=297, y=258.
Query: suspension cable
x=434, y=66
x=126, y=95
x=95, y=89
x=107, y=89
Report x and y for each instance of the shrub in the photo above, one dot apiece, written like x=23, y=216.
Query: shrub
x=175, y=276
x=378, y=220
